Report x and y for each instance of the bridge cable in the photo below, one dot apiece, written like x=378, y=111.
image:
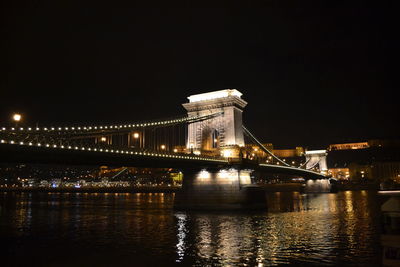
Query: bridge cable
x=263, y=148
x=315, y=164
x=305, y=163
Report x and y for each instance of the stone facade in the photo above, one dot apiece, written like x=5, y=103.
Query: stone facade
x=219, y=189
x=221, y=131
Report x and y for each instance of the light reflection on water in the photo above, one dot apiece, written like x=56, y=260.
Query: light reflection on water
x=143, y=229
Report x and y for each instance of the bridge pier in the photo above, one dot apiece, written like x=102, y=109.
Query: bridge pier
x=318, y=186
x=219, y=189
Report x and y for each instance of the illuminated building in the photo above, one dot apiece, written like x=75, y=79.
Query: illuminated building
x=340, y=173
x=365, y=145
x=366, y=164
x=346, y=146
x=255, y=152
x=289, y=153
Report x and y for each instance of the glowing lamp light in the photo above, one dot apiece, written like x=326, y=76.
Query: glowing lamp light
x=227, y=153
x=163, y=147
x=204, y=175
x=136, y=135
x=103, y=139
x=17, y=117
x=175, y=150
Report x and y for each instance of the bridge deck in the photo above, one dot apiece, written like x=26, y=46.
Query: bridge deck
x=27, y=153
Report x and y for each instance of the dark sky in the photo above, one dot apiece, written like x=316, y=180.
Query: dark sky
x=312, y=75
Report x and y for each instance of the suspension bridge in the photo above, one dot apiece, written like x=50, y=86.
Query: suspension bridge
x=208, y=143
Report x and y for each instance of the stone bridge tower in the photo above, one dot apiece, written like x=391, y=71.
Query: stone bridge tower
x=316, y=158
x=221, y=132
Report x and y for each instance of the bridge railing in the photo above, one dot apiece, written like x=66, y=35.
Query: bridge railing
x=135, y=152
x=110, y=128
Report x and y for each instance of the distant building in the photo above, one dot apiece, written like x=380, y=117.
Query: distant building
x=254, y=151
x=366, y=144
x=347, y=146
x=377, y=160
x=253, y=147
x=289, y=153
x=340, y=173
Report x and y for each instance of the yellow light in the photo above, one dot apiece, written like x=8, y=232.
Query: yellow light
x=103, y=139
x=227, y=153
x=214, y=95
x=17, y=117
x=175, y=150
x=162, y=147
x=136, y=135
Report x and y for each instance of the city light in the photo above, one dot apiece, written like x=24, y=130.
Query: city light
x=103, y=139
x=163, y=147
x=227, y=153
x=17, y=117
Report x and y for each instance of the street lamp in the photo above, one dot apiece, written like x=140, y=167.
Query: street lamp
x=163, y=147
x=136, y=137
x=16, y=118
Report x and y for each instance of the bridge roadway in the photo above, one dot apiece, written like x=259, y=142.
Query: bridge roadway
x=52, y=154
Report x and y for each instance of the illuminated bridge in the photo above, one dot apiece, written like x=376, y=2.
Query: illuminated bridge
x=207, y=144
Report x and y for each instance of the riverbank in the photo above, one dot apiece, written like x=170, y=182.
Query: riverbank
x=287, y=187
x=149, y=189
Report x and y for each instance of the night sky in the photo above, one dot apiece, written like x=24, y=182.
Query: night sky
x=312, y=75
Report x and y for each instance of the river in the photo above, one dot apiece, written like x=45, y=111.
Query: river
x=143, y=229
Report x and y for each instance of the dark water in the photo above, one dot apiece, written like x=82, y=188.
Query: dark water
x=53, y=229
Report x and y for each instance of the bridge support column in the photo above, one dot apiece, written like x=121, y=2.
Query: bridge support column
x=224, y=189
x=317, y=186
